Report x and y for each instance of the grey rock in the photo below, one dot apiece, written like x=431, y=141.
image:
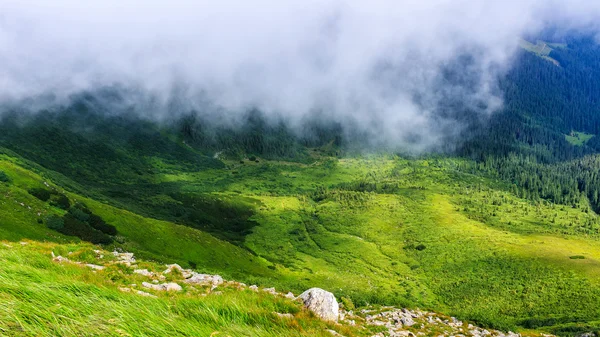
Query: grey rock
x=186, y=273
x=143, y=272
x=171, y=286
x=205, y=279
x=322, y=303
x=94, y=266
x=407, y=320
x=286, y=316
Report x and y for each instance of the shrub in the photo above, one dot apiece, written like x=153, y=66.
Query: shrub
x=61, y=201
x=40, y=193
x=420, y=247
x=4, y=178
x=79, y=214
x=84, y=231
x=252, y=158
x=83, y=207
x=99, y=224
x=55, y=222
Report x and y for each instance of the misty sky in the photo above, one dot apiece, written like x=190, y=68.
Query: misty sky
x=360, y=61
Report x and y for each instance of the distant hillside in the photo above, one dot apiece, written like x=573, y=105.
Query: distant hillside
x=542, y=49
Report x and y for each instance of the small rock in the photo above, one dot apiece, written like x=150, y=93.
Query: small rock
x=94, y=266
x=205, y=279
x=143, y=272
x=253, y=287
x=125, y=258
x=288, y=316
x=186, y=273
x=60, y=259
x=271, y=291
x=151, y=286
x=172, y=286
x=143, y=293
x=407, y=320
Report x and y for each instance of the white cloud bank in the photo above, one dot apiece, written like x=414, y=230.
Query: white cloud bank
x=364, y=61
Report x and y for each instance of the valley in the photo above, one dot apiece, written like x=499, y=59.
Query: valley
x=415, y=233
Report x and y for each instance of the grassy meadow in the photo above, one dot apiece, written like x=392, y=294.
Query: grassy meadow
x=380, y=229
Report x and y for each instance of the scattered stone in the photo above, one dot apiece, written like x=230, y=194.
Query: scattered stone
x=322, y=303
x=186, y=273
x=94, y=266
x=287, y=315
x=60, y=259
x=396, y=321
x=143, y=293
x=143, y=272
x=171, y=286
x=271, y=291
x=125, y=290
x=407, y=320
x=125, y=258
x=253, y=287
x=205, y=279
x=290, y=296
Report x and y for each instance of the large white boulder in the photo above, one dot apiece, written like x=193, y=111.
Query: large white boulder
x=322, y=303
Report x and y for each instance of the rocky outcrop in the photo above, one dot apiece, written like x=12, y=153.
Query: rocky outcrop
x=390, y=321
x=171, y=286
x=412, y=323
x=94, y=266
x=186, y=273
x=322, y=303
x=205, y=279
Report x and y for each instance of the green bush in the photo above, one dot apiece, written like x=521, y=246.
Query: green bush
x=79, y=214
x=55, y=222
x=84, y=231
x=40, y=193
x=4, y=178
x=99, y=224
x=61, y=201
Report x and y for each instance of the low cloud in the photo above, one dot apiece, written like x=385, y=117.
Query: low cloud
x=376, y=65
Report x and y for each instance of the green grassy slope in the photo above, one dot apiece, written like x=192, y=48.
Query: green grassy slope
x=39, y=297
x=378, y=229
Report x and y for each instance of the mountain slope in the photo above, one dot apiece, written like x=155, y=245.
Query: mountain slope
x=374, y=229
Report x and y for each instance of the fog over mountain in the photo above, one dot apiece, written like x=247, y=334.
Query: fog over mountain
x=381, y=66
